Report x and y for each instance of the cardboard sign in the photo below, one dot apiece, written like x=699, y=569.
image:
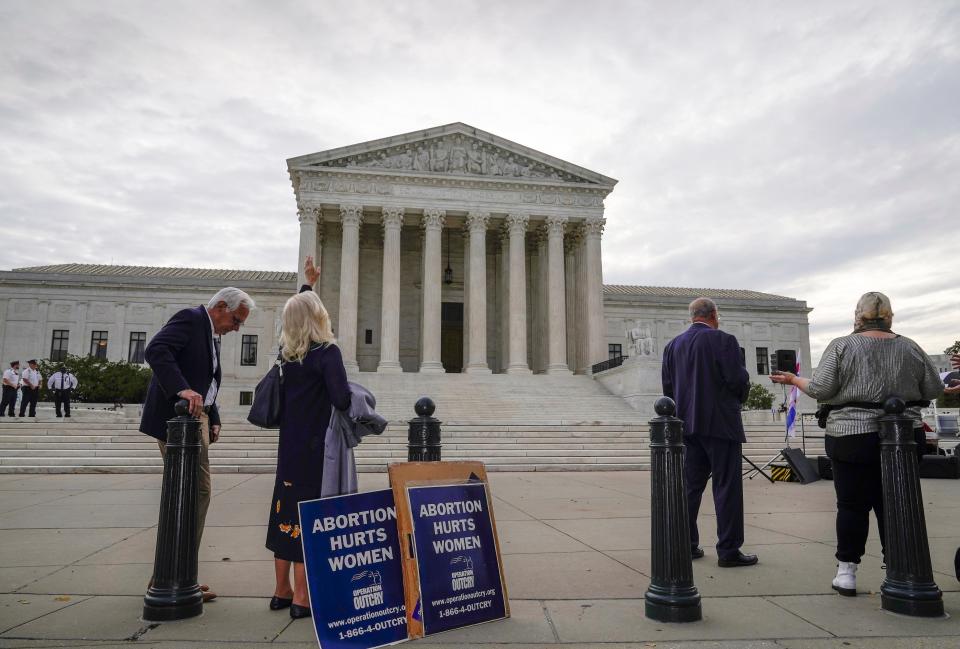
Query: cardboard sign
x=414, y=474
x=353, y=562
x=455, y=545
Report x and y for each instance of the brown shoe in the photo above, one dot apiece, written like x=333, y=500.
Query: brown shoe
x=204, y=587
x=209, y=596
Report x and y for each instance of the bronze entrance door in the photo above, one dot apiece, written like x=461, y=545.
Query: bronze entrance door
x=451, y=336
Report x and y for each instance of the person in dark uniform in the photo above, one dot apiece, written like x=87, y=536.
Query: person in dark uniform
x=314, y=382
x=11, y=381
x=30, y=387
x=62, y=384
x=704, y=373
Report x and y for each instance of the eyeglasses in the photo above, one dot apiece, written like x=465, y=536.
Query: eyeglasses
x=237, y=322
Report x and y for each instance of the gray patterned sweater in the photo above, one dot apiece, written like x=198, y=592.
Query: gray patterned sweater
x=862, y=368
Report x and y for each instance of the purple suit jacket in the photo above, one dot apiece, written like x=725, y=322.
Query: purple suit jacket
x=181, y=357
x=704, y=374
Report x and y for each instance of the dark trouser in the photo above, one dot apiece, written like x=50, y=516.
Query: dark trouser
x=855, y=460
x=29, y=397
x=62, y=397
x=721, y=457
x=8, y=402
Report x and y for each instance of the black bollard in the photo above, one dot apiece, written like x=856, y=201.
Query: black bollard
x=174, y=593
x=423, y=436
x=909, y=587
x=672, y=596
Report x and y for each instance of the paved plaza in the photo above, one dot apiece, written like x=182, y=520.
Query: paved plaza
x=76, y=552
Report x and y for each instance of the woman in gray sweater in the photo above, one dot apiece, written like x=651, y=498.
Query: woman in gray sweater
x=857, y=373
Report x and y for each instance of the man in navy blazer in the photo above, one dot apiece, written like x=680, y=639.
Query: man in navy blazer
x=703, y=372
x=185, y=359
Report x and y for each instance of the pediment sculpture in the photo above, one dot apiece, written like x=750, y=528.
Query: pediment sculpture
x=454, y=154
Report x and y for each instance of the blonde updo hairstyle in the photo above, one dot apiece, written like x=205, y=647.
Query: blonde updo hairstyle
x=305, y=321
x=873, y=311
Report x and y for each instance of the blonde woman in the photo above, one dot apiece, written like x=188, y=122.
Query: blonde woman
x=855, y=376
x=314, y=382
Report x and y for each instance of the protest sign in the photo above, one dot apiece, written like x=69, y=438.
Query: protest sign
x=352, y=558
x=458, y=562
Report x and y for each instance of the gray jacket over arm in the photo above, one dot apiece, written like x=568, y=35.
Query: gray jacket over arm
x=346, y=430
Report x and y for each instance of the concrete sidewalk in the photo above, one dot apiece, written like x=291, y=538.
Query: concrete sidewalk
x=76, y=552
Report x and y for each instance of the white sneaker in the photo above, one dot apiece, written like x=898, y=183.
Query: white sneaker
x=845, y=582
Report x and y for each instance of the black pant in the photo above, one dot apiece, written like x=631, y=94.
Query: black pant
x=721, y=457
x=857, y=479
x=62, y=397
x=29, y=397
x=8, y=402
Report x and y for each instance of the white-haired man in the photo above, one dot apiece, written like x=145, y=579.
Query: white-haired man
x=185, y=359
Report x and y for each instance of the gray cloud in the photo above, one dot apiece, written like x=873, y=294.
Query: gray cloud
x=806, y=149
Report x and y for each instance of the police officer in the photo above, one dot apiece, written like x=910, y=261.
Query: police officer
x=62, y=383
x=30, y=387
x=11, y=381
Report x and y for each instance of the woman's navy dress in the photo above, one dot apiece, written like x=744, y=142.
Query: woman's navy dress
x=310, y=390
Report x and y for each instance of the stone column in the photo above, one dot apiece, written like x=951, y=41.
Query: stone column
x=595, y=343
x=503, y=343
x=390, y=302
x=517, y=344
x=308, y=240
x=477, y=293
x=433, y=222
x=570, y=271
x=539, y=305
x=556, y=298
x=351, y=216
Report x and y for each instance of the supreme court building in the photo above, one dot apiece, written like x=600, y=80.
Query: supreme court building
x=444, y=250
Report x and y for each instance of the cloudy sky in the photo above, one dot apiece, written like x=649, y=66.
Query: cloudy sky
x=809, y=149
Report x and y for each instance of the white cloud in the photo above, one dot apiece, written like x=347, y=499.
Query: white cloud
x=806, y=149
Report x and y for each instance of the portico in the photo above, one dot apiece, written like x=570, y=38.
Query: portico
x=452, y=249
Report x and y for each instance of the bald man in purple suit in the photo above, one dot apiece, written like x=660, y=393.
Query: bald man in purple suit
x=703, y=372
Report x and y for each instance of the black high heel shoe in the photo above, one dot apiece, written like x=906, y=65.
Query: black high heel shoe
x=297, y=611
x=278, y=603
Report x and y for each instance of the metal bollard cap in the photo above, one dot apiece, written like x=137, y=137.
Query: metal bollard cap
x=425, y=407
x=894, y=406
x=665, y=407
x=182, y=408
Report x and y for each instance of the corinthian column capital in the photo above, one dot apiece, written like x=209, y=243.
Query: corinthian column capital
x=392, y=218
x=555, y=225
x=517, y=222
x=307, y=214
x=351, y=215
x=433, y=219
x=477, y=221
x=594, y=227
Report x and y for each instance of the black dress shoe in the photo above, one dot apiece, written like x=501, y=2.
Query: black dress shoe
x=739, y=559
x=696, y=552
x=297, y=611
x=277, y=603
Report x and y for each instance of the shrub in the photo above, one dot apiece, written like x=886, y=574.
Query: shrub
x=100, y=381
x=759, y=398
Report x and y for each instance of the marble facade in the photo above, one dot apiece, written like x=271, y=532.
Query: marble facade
x=519, y=230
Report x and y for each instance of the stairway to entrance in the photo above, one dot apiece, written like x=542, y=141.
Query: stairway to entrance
x=509, y=422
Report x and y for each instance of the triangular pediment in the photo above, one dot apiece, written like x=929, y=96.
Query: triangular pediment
x=452, y=150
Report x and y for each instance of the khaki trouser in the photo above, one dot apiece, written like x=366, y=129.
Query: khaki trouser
x=203, y=502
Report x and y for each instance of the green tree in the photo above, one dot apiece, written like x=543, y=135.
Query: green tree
x=100, y=381
x=953, y=349
x=759, y=398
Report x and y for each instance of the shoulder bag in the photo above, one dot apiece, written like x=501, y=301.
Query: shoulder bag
x=268, y=398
